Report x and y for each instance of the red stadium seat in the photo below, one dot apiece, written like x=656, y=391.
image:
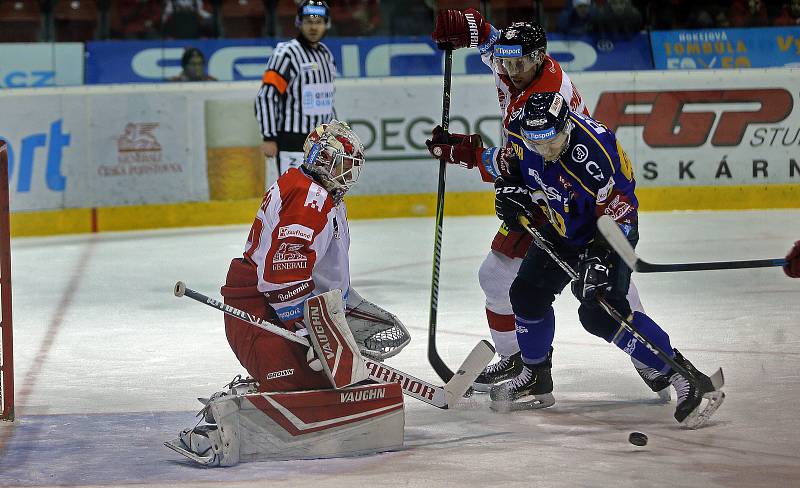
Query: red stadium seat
x=243, y=18
x=20, y=21
x=458, y=4
x=285, y=13
x=76, y=20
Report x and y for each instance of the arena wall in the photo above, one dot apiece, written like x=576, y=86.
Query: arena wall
x=87, y=159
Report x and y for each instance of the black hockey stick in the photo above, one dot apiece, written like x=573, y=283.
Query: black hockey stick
x=439, y=396
x=617, y=240
x=703, y=385
x=436, y=361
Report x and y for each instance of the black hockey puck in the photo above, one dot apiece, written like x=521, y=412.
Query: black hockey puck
x=637, y=439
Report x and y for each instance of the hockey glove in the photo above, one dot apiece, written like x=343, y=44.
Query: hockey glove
x=593, y=273
x=508, y=163
x=792, y=266
x=511, y=198
x=461, y=149
x=455, y=29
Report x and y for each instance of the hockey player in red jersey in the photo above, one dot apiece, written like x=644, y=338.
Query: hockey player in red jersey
x=521, y=67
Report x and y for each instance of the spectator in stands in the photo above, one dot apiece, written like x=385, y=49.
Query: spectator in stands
x=194, y=67
x=411, y=18
x=749, y=13
x=137, y=19
x=186, y=19
x=618, y=19
x=578, y=20
x=721, y=19
x=664, y=15
x=355, y=17
x=702, y=18
x=790, y=14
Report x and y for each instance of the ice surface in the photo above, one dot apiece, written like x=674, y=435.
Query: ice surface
x=109, y=363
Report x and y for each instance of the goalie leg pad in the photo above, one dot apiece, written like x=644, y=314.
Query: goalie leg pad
x=298, y=425
x=332, y=340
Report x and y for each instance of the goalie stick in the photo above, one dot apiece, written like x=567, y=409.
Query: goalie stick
x=617, y=240
x=708, y=387
x=439, y=396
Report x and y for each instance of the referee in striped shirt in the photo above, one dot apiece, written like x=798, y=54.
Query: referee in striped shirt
x=297, y=91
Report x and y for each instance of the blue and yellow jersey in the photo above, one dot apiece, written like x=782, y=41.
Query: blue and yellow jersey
x=592, y=177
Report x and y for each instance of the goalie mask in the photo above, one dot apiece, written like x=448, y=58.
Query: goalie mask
x=545, y=125
x=334, y=154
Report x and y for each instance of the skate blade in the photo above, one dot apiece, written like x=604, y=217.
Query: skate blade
x=664, y=395
x=482, y=387
x=717, y=379
x=704, y=411
x=535, y=403
x=179, y=447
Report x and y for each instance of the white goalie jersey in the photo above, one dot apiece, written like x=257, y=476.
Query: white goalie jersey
x=299, y=244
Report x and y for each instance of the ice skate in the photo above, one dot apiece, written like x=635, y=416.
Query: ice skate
x=656, y=381
x=696, y=405
x=199, y=444
x=505, y=369
x=532, y=388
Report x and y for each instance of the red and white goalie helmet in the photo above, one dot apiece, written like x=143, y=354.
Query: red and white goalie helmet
x=336, y=150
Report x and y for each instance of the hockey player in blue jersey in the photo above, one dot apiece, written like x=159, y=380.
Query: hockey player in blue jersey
x=571, y=171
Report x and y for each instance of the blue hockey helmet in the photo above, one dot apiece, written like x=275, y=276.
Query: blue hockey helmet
x=545, y=124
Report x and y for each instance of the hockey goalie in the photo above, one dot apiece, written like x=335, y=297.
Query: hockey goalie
x=303, y=402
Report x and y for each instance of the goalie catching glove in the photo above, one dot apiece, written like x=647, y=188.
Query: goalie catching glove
x=379, y=334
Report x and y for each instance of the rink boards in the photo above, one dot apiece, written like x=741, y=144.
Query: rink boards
x=90, y=159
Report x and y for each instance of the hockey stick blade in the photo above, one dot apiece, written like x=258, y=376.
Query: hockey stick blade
x=473, y=365
x=614, y=236
x=617, y=240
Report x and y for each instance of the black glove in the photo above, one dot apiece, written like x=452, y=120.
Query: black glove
x=511, y=198
x=593, y=273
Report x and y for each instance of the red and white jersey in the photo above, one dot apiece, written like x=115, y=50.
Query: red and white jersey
x=551, y=79
x=299, y=243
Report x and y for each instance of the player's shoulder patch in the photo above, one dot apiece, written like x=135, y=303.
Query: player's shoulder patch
x=549, y=80
x=589, y=152
x=299, y=187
